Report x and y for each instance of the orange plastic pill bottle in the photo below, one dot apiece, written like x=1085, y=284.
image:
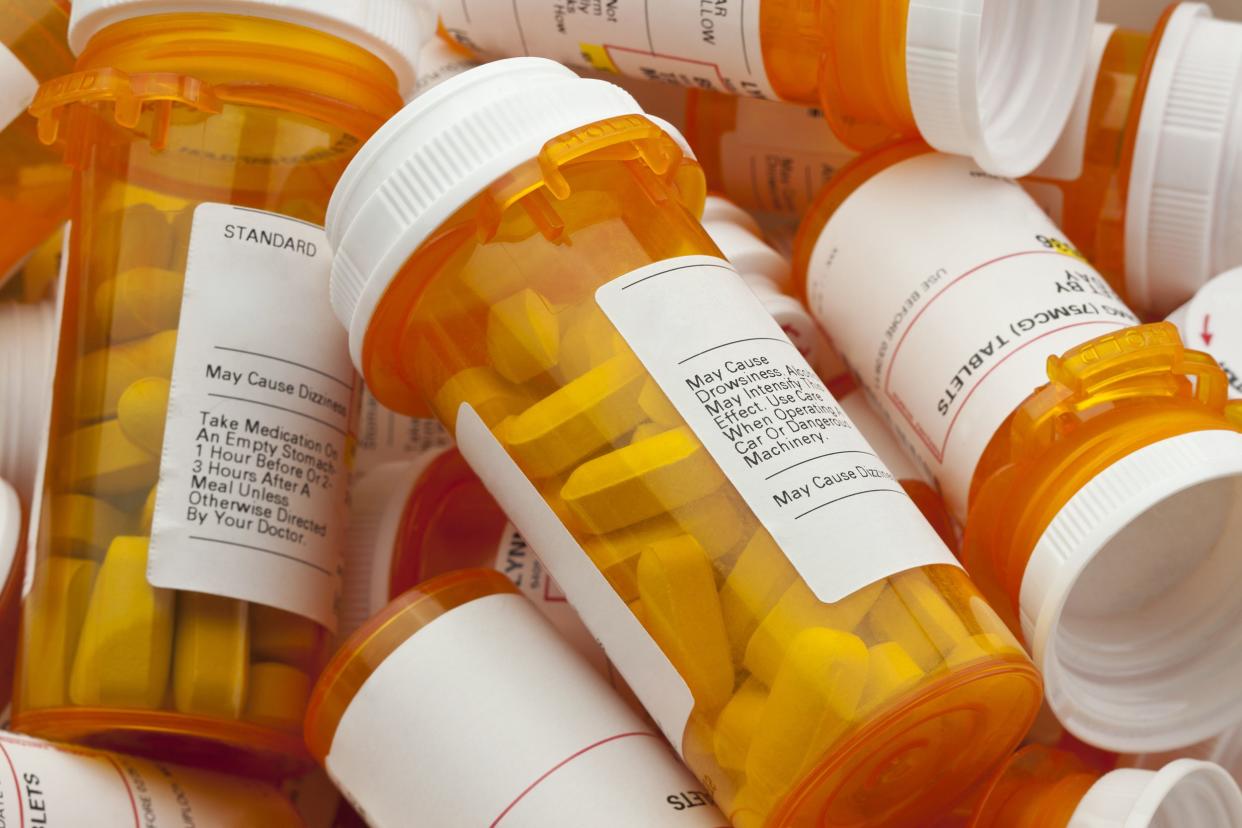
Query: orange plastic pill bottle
x=975, y=78
x=461, y=679
x=34, y=185
x=1144, y=179
x=1100, y=489
x=183, y=582
x=550, y=293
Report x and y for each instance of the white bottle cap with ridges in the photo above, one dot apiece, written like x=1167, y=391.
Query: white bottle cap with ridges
x=392, y=30
x=989, y=78
x=1184, y=208
x=1131, y=601
x=435, y=155
x=1184, y=794
x=27, y=352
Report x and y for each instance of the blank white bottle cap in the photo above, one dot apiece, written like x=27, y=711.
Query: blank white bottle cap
x=392, y=30
x=1184, y=207
x=989, y=78
x=1183, y=794
x=27, y=352
x=1132, y=599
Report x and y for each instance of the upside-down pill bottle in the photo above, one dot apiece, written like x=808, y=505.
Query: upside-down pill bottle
x=1039, y=787
x=1101, y=508
x=1212, y=322
x=752, y=570
x=969, y=76
x=1145, y=179
x=184, y=579
x=27, y=348
x=58, y=784
x=34, y=185
x=461, y=680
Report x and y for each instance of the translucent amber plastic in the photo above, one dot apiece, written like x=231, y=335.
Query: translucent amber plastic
x=884, y=748
x=162, y=115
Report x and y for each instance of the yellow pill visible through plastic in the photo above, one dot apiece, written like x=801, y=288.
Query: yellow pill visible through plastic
x=757, y=581
x=277, y=696
x=142, y=411
x=491, y=395
x=138, y=302
x=105, y=373
x=100, y=459
x=277, y=635
x=211, y=653
x=736, y=726
x=83, y=526
x=891, y=672
x=523, y=337
x=52, y=623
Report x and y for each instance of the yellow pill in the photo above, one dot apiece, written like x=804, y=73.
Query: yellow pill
x=42, y=268
x=891, y=620
x=813, y=701
x=138, y=302
x=490, y=395
x=125, y=650
x=986, y=645
x=141, y=235
x=83, y=526
x=277, y=635
x=890, y=674
x=590, y=340
x=641, y=480
x=939, y=620
x=646, y=431
x=577, y=420
x=51, y=624
x=682, y=614
x=657, y=406
x=147, y=516
x=523, y=336
x=737, y=724
x=142, y=411
x=797, y=610
x=751, y=807
x=757, y=581
x=210, y=655
x=101, y=459
x=277, y=696
x=105, y=373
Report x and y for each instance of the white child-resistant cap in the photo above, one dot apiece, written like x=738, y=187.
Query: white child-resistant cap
x=27, y=353
x=1185, y=793
x=1131, y=601
x=392, y=30
x=1184, y=208
x=435, y=155
x=993, y=79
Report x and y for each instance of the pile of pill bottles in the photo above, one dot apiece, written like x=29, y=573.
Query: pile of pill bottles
x=191, y=617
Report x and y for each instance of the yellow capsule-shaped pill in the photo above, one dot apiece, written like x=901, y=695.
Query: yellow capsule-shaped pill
x=492, y=396
x=135, y=236
x=51, y=624
x=757, y=581
x=278, y=635
x=646, y=431
x=211, y=654
x=577, y=420
x=105, y=373
x=138, y=302
x=125, y=650
x=682, y=613
x=641, y=481
x=737, y=724
x=657, y=406
x=986, y=645
x=590, y=340
x=797, y=610
x=277, y=696
x=83, y=526
x=100, y=459
x=142, y=411
x=891, y=673
x=523, y=336
x=813, y=701
x=939, y=620
x=891, y=620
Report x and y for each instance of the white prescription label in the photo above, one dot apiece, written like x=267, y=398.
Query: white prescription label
x=802, y=467
x=44, y=785
x=17, y=87
x=707, y=44
x=486, y=718
x=779, y=156
x=1212, y=322
x=882, y=438
x=518, y=562
x=251, y=498
x=629, y=647
x=384, y=436
x=959, y=289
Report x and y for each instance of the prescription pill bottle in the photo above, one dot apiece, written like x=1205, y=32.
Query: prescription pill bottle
x=383, y=436
x=34, y=185
x=1043, y=788
x=756, y=575
x=978, y=78
x=460, y=704
x=27, y=346
x=185, y=575
x=1212, y=322
x=1144, y=180
x=1101, y=508
x=56, y=784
